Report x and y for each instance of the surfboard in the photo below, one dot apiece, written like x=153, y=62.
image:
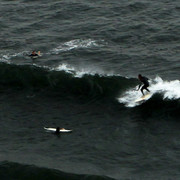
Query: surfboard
x=61, y=130
x=143, y=98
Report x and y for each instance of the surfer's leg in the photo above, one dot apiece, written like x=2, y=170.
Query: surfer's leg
x=146, y=87
x=142, y=90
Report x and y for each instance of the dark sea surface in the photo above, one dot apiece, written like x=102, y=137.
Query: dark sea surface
x=86, y=80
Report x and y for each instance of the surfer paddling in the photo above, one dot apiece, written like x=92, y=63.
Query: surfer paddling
x=58, y=130
x=34, y=54
x=144, y=82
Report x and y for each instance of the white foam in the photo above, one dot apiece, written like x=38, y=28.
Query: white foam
x=64, y=67
x=169, y=90
x=7, y=57
x=129, y=97
x=74, y=44
x=80, y=72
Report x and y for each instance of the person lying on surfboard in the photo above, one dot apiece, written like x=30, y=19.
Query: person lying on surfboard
x=34, y=54
x=144, y=82
x=58, y=130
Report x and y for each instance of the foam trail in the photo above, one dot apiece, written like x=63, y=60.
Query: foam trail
x=74, y=44
x=169, y=89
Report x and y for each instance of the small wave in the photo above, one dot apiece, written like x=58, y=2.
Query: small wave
x=67, y=46
x=74, y=44
x=7, y=57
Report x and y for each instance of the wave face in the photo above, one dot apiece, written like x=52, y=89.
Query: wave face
x=16, y=171
x=68, y=80
x=65, y=81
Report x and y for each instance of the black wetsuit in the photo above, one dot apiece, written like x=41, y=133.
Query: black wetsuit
x=33, y=55
x=57, y=130
x=144, y=80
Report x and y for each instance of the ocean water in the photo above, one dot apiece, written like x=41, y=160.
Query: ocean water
x=86, y=80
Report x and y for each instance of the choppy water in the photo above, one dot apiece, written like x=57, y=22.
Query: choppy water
x=86, y=80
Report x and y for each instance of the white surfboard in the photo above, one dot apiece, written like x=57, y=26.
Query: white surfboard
x=34, y=57
x=61, y=130
x=143, y=98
